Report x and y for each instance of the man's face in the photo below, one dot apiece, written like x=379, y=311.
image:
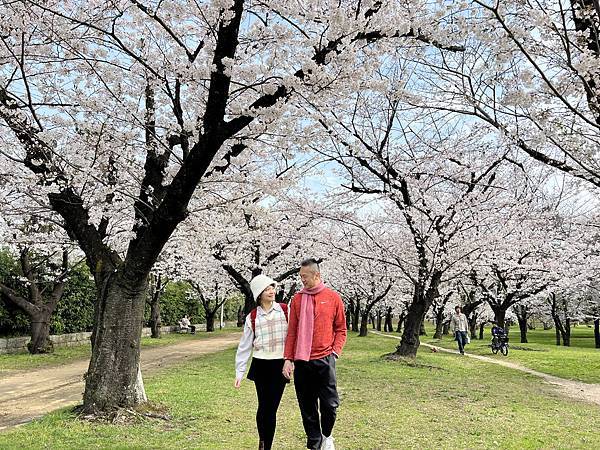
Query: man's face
x=457, y=310
x=309, y=277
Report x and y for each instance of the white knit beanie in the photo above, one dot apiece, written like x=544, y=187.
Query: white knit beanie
x=259, y=283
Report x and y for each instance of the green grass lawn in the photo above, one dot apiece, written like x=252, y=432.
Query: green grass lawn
x=447, y=401
x=579, y=362
x=63, y=355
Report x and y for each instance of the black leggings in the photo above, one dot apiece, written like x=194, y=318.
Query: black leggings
x=269, y=383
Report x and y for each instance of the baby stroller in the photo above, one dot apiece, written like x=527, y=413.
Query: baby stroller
x=499, y=341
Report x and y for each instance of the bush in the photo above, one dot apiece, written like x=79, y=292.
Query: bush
x=75, y=312
x=175, y=302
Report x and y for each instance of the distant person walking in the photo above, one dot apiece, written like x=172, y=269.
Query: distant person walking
x=459, y=325
x=316, y=336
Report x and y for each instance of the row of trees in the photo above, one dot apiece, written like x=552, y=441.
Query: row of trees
x=182, y=138
x=72, y=312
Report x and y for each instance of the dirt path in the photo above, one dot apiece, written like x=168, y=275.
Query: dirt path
x=27, y=395
x=574, y=389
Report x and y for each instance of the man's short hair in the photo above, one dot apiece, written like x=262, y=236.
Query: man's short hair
x=311, y=263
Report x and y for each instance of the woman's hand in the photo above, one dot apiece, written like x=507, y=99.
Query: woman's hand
x=288, y=369
x=238, y=383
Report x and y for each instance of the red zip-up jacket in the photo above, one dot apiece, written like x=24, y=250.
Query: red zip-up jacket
x=329, y=330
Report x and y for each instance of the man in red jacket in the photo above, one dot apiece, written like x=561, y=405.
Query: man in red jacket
x=315, y=338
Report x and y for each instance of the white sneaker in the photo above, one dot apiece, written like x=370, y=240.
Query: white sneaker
x=328, y=443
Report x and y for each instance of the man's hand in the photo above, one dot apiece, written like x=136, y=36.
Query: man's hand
x=238, y=383
x=288, y=369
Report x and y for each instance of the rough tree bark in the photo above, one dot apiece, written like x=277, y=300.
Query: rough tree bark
x=388, y=326
x=401, y=319
x=379, y=319
x=562, y=330
x=446, y=328
x=422, y=298
x=364, y=322
x=113, y=378
x=439, y=307
x=522, y=312
x=439, y=327
x=356, y=315
x=597, y=332
x=349, y=317
x=473, y=326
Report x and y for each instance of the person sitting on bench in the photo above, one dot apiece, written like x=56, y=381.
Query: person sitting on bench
x=185, y=324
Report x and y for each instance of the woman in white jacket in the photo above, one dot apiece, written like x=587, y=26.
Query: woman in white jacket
x=264, y=335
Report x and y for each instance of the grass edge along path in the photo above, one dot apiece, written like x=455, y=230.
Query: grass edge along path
x=577, y=390
x=579, y=362
x=23, y=361
x=442, y=401
x=31, y=395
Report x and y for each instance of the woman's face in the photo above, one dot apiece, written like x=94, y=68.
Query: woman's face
x=268, y=295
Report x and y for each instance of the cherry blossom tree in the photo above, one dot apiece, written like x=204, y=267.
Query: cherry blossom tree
x=118, y=110
x=43, y=250
x=364, y=284
x=385, y=151
x=529, y=71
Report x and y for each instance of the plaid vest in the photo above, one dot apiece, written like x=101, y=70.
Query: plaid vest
x=270, y=333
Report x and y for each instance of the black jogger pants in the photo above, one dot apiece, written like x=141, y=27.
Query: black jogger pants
x=315, y=384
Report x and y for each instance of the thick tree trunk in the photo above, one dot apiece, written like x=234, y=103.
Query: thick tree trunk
x=422, y=331
x=388, y=326
x=409, y=343
x=249, y=303
x=40, y=334
x=401, y=320
x=348, y=317
x=372, y=320
x=523, y=328
x=364, y=322
x=439, y=324
x=481, y=329
x=379, y=320
x=210, y=321
x=155, y=320
x=240, y=316
x=113, y=378
x=473, y=327
x=356, y=316
x=446, y=328
x=597, y=332
x=566, y=334
x=439, y=329
x=500, y=316
x=557, y=330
